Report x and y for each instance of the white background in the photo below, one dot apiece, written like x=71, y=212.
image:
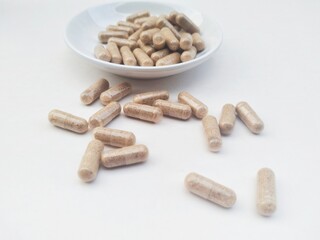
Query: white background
x=270, y=57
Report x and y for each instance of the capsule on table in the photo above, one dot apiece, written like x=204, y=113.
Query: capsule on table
x=100, y=52
x=143, y=112
x=210, y=190
x=90, y=162
x=186, y=23
x=249, y=117
x=147, y=35
x=212, y=131
x=114, y=28
x=227, y=119
x=115, y=93
x=160, y=54
x=175, y=110
x=142, y=58
x=150, y=23
x=199, y=109
x=93, y=92
x=158, y=41
x=114, y=137
x=123, y=42
x=132, y=25
x=136, y=15
x=171, y=41
x=149, y=97
x=148, y=49
x=170, y=59
x=188, y=55
x=68, y=121
x=104, y=36
x=186, y=41
x=105, y=115
x=136, y=35
x=198, y=42
x=127, y=56
x=266, y=194
x=115, y=53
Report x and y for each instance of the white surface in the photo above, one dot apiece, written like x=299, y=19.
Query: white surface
x=270, y=58
x=82, y=36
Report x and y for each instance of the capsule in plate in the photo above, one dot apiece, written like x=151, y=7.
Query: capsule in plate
x=104, y=36
x=186, y=41
x=188, y=55
x=115, y=93
x=134, y=26
x=198, y=42
x=136, y=35
x=249, y=117
x=114, y=137
x=115, y=53
x=148, y=49
x=175, y=110
x=160, y=54
x=159, y=42
x=227, y=119
x=170, y=59
x=143, y=112
x=171, y=41
x=163, y=22
x=127, y=56
x=266, y=194
x=143, y=58
x=149, y=97
x=123, y=42
x=136, y=15
x=93, y=92
x=114, y=28
x=186, y=23
x=100, y=52
x=147, y=35
x=212, y=131
x=199, y=109
x=105, y=115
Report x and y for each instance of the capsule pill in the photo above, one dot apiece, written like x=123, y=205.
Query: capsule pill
x=100, y=52
x=186, y=23
x=114, y=137
x=160, y=54
x=136, y=35
x=127, y=56
x=142, y=58
x=171, y=41
x=171, y=17
x=163, y=22
x=148, y=49
x=105, y=115
x=198, y=42
x=199, y=109
x=175, y=110
x=115, y=93
x=93, y=92
x=123, y=42
x=249, y=117
x=104, y=36
x=188, y=55
x=141, y=20
x=136, y=15
x=128, y=30
x=170, y=59
x=149, y=97
x=227, y=119
x=132, y=25
x=143, y=112
x=147, y=35
x=158, y=41
x=212, y=131
x=115, y=53
x=150, y=23
x=266, y=194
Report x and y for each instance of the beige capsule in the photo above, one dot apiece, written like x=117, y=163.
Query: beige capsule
x=114, y=137
x=147, y=35
x=105, y=115
x=148, y=49
x=227, y=119
x=115, y=53
x=143, y=112
x=210, y=190
x=249, y=117
x=163, y=22
x=150, y=23
x=68, y=121
x=186, y=41
x=212, y=131
x=158, y=41
x=136, y=35
x=125, y=156
x=188, y=55
x=141, y=20
x=142, y=58
x=199, y=109
x=104, y=36
x=134, y=26
x=160, y=54
x=123, y=42
x=149, y=97
x=186, y=23
x=266, y=194
x=175, y=110
x=171, y=17
x=114, y=28
x=170, y=59
x=198, y=42
x=171, y=41
x=100, y=52
x=93, y=92
x=115, y=93
x=136, y=15
x=90, y=162
x=127, y=56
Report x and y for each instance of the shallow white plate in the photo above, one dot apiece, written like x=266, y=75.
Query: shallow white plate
x=82, y=36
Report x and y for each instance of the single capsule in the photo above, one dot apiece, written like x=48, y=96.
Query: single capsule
x=105, y=115
x=227, y=119
x=171, y=41
x=128, y=30
x=266, y=195
x=160, y=54
x=143, y=112
x=123, y=42
x=93, y=92
x=141, y=20
x=136, y=15
x=125, y=156
x=104, y=36
x=90, y=162
x=115, y=53
x=149, y=97
x=100, y=52
x=115, y=93
x=158, y=41
x=134, y=26
x=148, y=49
x=136, y=35
x=249, y=117
x=114, y=137
x=163, y=22
x=142, y=58
x=198, y=42
x=199, y=109
x=188, y=55
x=175, y=110
x=186, y=23
x=171, y=17
x=127, y=56
x=210, y=190
x=212, y=131
x=68, y=121
x=147, y=35
x=186, y=41
x=150, y=23
x=170, y=59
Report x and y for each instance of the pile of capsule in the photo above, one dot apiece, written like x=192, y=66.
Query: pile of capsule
x=151, y=107
x=146, y=40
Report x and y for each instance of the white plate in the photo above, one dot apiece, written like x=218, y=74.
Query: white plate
x=82, y=36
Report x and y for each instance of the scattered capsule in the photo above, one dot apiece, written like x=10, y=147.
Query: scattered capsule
x=249, y=117
x=186, y=41
x=105, y=115
x=136, y=35
x=128, y=30
x=142, y=58
x=93, y=92
x=147, y=35
x=127, y=56
x=266, y=195
x=148, y=49
x=198, y=42
x=100, y=52
x=68, y=121
x=160, y=54
x=115, y=93
x=123, y=42
x=104, y=36
x=149, y=97
x=158, y=40
x=115, y=53
x=171, y=41
x=114, y=137
x=186, y=23
x=170, y=59
x=210, y=190
x=227, y=119
x=90, y=162
x=199, y=109
x=136, y=15
x=132, y=25
x=175, y=110
x=143, y=112
x=212, y=131
x=188, y=55
x=162, y=22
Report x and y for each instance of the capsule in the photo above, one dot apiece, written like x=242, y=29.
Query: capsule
x=159, y=42
x=266, y=194
x=114, y=137
x=249, y=117
x=210, y=190
x=105, y=115
x=170, y=59
x=160, y=54
x=134, y=26
x=124, y=156
x=227, y=119
x=93, y=92
x=143, y=112
x=147, y=35
x=100, y=52
x=188, y=55
x=198, y=42
x=115, y=53
x=104, y=36
x=186, y=41
x=127, y=56
x=186, y=23
x=162, y=22
x=134, y=16
x=171, y=41
x=149, y=97
x=114, y=28
x=175, y=110
x=199, y=109
x=148, y=49
x=90, y=162
x=136, y=35
x=142, y=58
x=212, y=131
x=123, y=42
x=171, y=17
x=115, y=93
x=150, y=23
x=68, y=121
